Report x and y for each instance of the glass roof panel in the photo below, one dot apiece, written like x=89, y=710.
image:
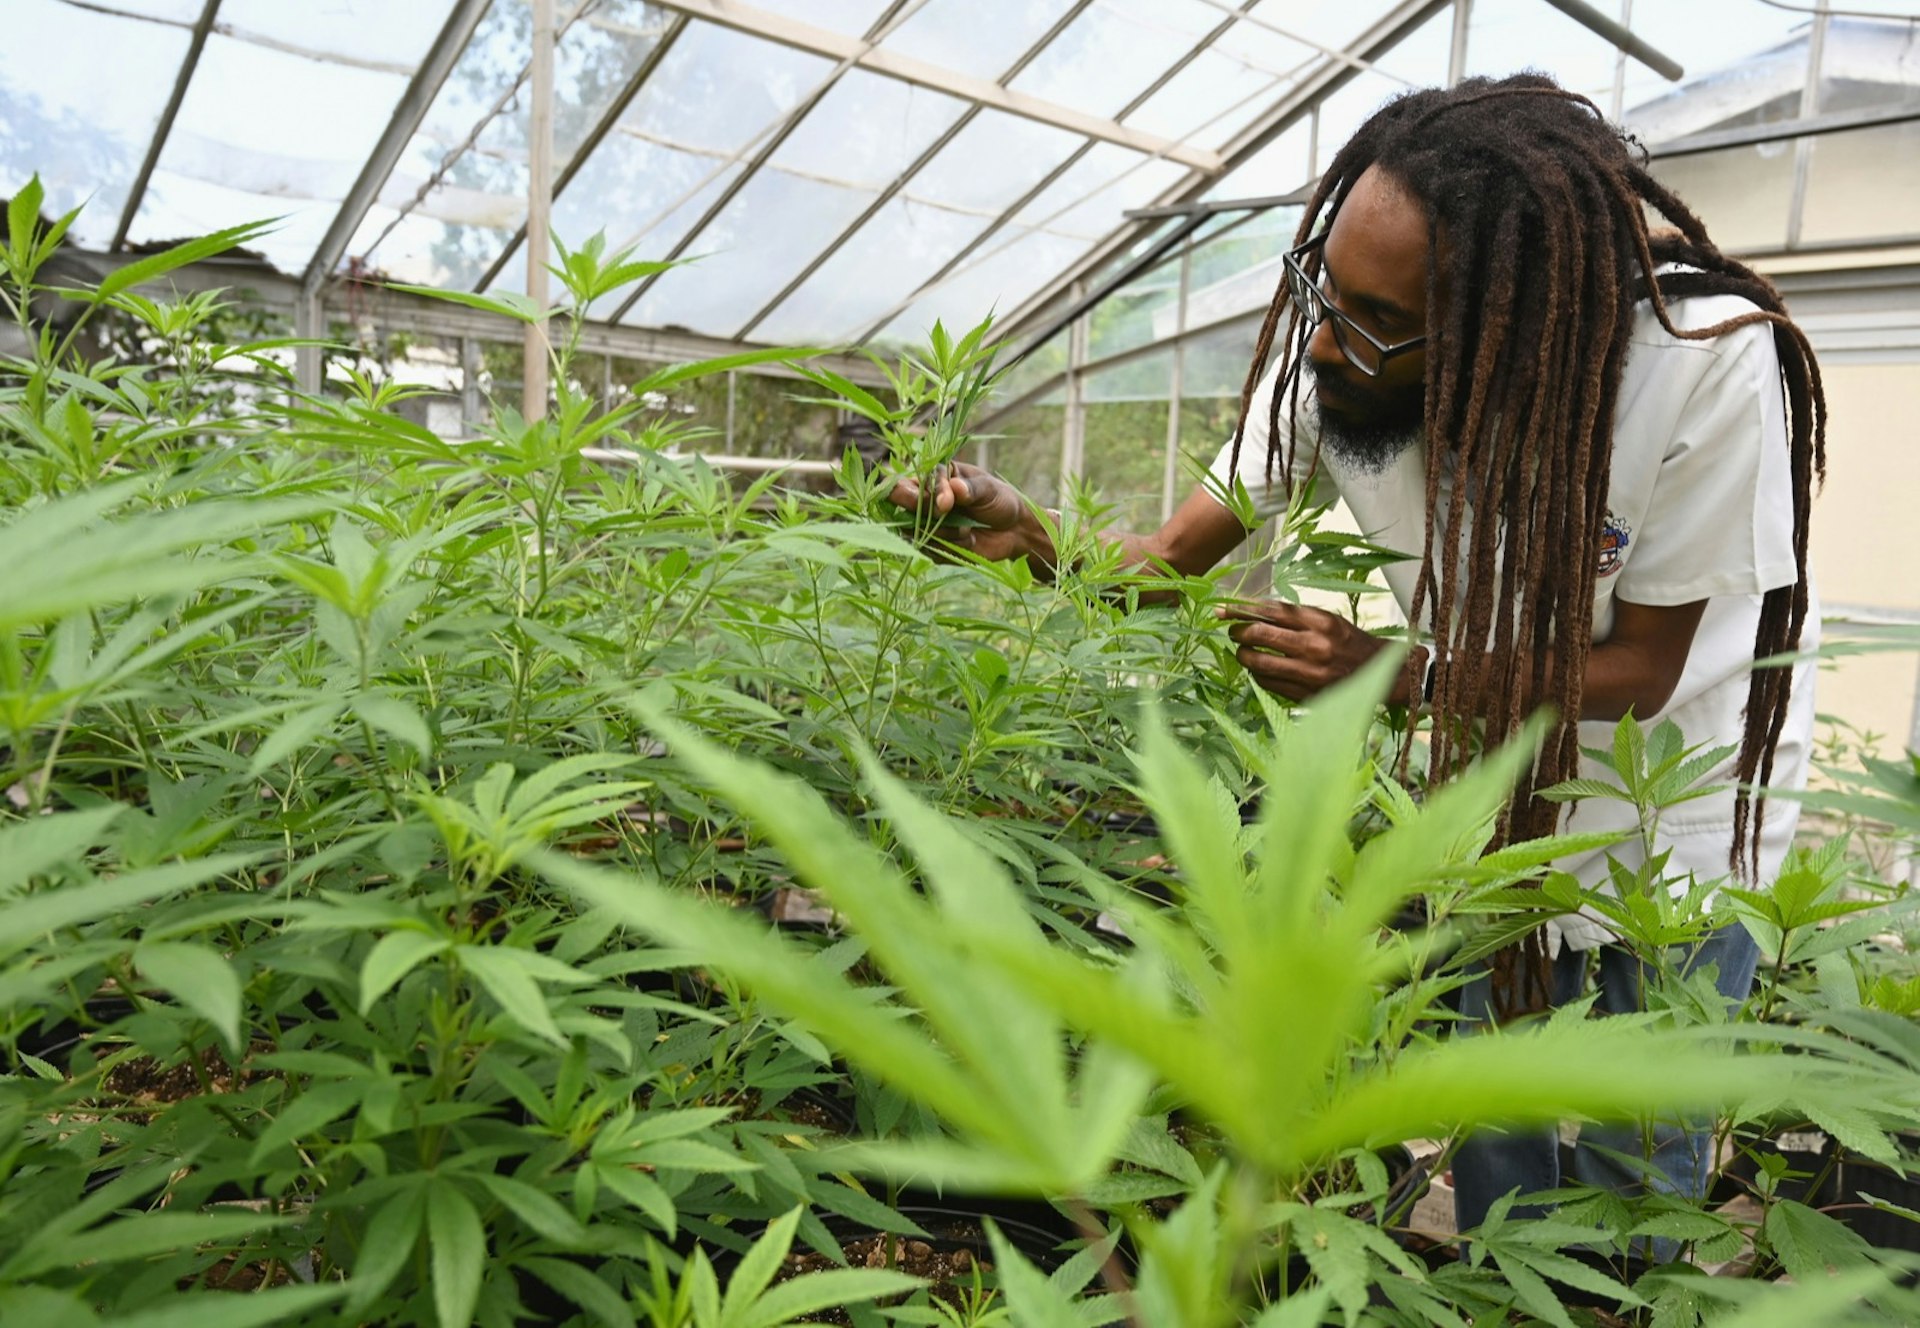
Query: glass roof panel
x=392, y=37
x=86, y=136
x=431, y=250
x=1421, y=57
x=174, y=11
x=472, y=163
x=636, y=191
x=867, y=129
x=1278, y=168
x=1209, y=101
x=1327, y=23
x=296, y=152
x=993, y=161
x=1255, y=44
x=454, y=197
x=1111, y=53
x=763, y=237
x=1009, y=268
x=658, y=234
x=1706, y=35
x=718, y=89
x=1089, y=198
x=949, y=33
x=1348, y=109
x=1506, y=36
x=850, y=17
x=858, y=139
x=904, y=244
x=643, y=196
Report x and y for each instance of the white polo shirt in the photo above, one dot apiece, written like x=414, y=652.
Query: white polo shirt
x=1700, y=507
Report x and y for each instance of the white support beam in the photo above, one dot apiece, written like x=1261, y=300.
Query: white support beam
x=1462, y=34
x=609, y=118
x=310, y=324
x=838, y=46
x=533, y=375
x=462, y=19
x=1330, y=76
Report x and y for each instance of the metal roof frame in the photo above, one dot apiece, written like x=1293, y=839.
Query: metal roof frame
x=1332, y=75
x=900, y=181
x=604, y=126
x=155, y=146
x=1145, y=230
x=865, y=54
x=1014, y=208
x=783, y=130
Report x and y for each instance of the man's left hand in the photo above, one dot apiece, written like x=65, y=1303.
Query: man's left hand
x=1296, y=651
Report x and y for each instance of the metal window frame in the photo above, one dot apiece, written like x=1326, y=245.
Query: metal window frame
x=1382, y=36
x=900, y=181
x=866, y=55
x=604, y=126
x=781, y=131
x=1045, y=182
x=161, y=131
x=309, y=322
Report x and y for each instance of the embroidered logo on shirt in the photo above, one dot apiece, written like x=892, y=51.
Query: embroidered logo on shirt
x=1615, y=536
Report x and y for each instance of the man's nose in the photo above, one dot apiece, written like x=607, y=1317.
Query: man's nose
x=1322, y=348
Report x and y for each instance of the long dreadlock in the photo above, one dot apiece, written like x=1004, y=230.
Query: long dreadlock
x=1538, y=206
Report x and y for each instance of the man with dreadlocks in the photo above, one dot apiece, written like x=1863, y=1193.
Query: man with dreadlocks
x=1607, y=478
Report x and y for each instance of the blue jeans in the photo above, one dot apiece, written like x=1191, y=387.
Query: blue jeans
x=1489, y=1165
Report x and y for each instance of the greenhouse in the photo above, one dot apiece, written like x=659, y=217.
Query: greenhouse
x=1046, y=663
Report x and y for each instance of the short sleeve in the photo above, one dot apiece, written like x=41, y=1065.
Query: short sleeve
x=1269, y=499
x=1719, y=520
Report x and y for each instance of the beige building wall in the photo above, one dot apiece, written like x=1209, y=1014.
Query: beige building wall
x=1863, y=542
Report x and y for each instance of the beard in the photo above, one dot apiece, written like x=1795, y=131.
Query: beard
x=1373, y=438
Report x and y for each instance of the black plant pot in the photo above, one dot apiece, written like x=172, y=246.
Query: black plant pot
x=1861, y=1176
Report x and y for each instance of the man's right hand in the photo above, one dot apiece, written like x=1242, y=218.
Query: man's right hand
x=1004, y=526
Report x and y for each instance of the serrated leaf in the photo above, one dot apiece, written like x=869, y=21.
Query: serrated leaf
x=225, y=1309
x=395, y=718
x=642, y=1191
x=196, y=250
x=25, y=921
x=316, y=1108
x=538, y=1209
x=201, y=979
x=298, y=730
x=30, y=847
x=756, y=1268
x=813, y=1292
x=392, y=958
x=459, y=1254
x=513, y=988
x=1809, y=1244
x=139, y=1237
x=584, y=1289
x=506, y=303
x=386, y=1246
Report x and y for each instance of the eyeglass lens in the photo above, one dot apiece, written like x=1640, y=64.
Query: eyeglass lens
x=1317, y=308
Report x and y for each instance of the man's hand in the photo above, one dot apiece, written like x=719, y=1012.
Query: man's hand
x=1298, y=652
x=1004, y=524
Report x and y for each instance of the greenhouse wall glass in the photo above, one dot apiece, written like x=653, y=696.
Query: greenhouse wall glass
x=1044, y=663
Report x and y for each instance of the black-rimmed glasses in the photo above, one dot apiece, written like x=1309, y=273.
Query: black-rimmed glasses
x=1363, y=350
